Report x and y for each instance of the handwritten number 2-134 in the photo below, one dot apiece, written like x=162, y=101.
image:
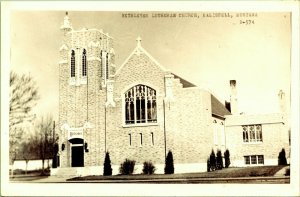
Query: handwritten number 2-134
x=246, y=22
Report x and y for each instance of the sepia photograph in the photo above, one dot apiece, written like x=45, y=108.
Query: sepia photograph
x=149, y=99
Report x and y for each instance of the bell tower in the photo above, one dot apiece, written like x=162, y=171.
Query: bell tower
x=86, y=70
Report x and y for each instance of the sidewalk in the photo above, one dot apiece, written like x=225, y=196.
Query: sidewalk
x=52, y=179
x=281, y=172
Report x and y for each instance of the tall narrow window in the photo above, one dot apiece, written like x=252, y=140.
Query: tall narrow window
x=106, y=66
x=104, y=63
x=141, y=136
x=73, y=63
x=129, y=106
x=258, y=133
x=101, y=57
x=84, y=62
x=215, y=129
x=245, y=134
x=140, y=105
x=129, y=139
x=152, y=138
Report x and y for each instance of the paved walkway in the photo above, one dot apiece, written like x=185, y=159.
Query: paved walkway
x=52, y=179
x=282, y=171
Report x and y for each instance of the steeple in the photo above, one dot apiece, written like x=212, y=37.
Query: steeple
x=66, y=25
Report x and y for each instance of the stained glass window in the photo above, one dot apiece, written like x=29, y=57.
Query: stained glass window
x=252, y=133
x=245, y=134
x=140, y=105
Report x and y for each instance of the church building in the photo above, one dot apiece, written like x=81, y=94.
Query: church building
x=140, y=110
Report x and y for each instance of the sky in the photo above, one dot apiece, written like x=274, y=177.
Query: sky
x=207, y=51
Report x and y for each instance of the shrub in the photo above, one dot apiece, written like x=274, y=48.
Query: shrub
x=208, y=165
x=212, y=160
x=282, y=158
x=227, y=158
x=287, y=172
x=127, y=167
x=148, y=168
x=107, y=171
x=219, y=161
x=45, y=172
x=169, y=166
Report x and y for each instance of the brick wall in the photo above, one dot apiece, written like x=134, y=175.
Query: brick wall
x=274, y=135
x=138, y=70
x=189, y=131
x=82, y=102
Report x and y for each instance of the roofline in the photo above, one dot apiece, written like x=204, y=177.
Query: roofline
x=146, y=53
x=93, y=29
x=218, y=116
x=191, y=85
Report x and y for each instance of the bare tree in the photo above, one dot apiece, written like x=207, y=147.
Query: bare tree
x=23, y=97
x=27, y=152
x=44, y=141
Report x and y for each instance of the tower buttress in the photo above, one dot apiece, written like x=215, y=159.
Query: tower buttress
x=233, y=98
x=282, y=105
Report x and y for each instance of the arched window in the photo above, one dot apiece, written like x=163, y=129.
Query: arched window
x=252, y=133
x=245, y=134
x=102, y=59
x=140, y=105
x=73, y=63
x=106, y=68
x=84, y=62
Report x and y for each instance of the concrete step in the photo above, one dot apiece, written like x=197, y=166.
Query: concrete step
x=66, y=172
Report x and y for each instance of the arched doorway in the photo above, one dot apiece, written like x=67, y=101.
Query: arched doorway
x=77, y=152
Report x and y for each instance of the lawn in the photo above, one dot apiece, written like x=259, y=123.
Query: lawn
x=257, y=171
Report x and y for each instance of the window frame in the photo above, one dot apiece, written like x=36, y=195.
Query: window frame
x=152, y=138
x=254, y=160
x=254, y=135
x=141, y=139
x=72, y=66
x=84, y=63
x=140, y=124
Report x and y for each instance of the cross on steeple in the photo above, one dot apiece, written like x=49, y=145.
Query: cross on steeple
x=138, y=40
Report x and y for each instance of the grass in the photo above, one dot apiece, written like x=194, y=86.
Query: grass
x=32, y=172
x=257, y=171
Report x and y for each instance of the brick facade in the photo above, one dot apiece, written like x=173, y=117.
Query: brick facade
x=274, y=138
x=190, y=121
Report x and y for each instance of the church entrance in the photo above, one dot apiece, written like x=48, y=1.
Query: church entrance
x=77, y=153
x=77, y=156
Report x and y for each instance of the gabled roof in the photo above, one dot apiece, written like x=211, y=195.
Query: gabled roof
x=217, y=108
x=139, y=50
